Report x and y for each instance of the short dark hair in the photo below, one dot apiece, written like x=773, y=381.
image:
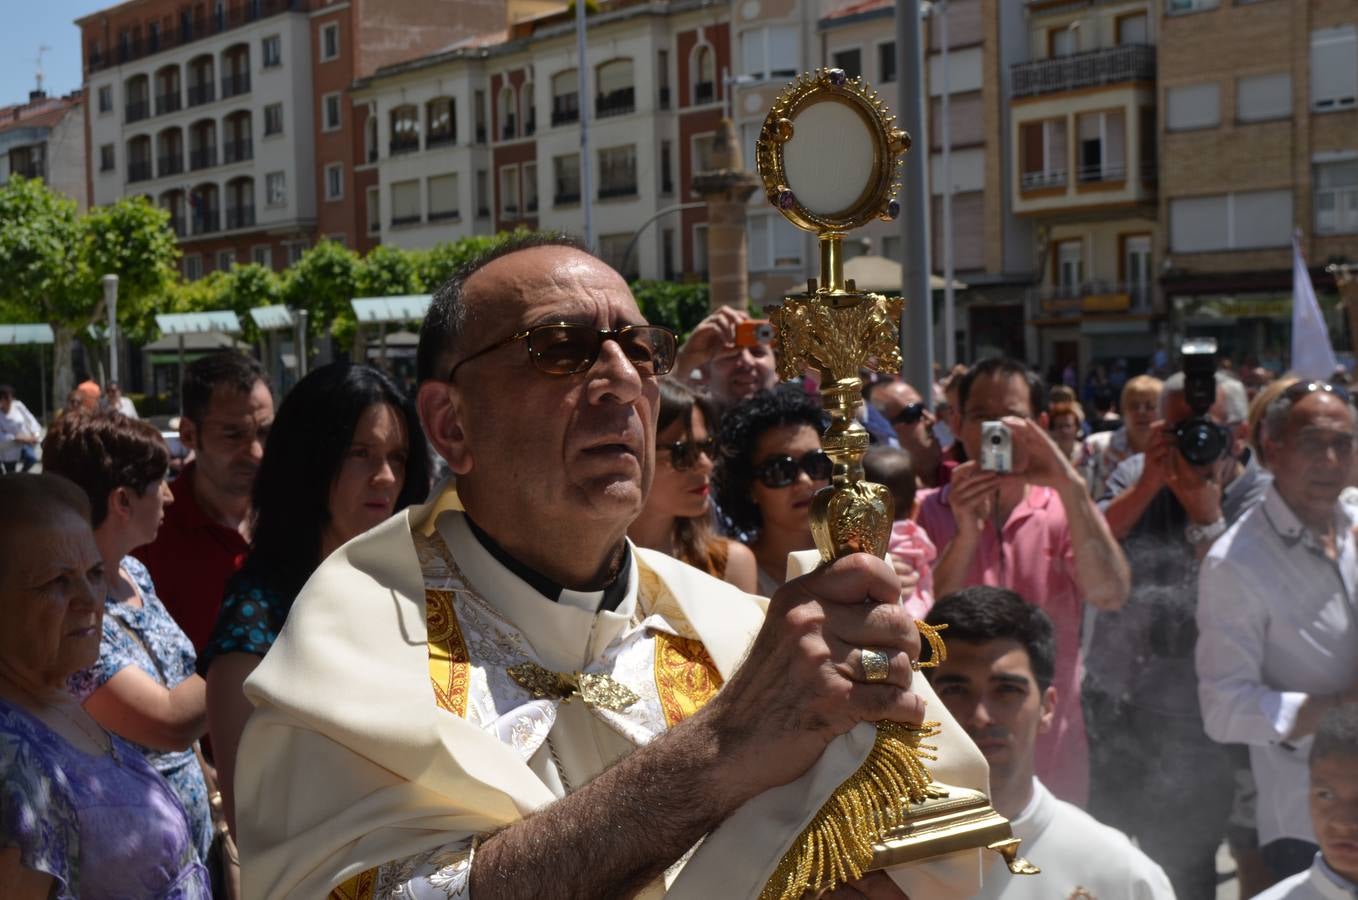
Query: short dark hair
x=308, y=443
x=983, y=613
x=446, y=319
x=1337, y=734
x=1004, y=366
x=6, y=391
x=102, y=451
x=225, y=368
x=741, y=428
x=893, y=467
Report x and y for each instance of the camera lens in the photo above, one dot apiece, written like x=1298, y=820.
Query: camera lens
x=996, y=439
x=1201, y=441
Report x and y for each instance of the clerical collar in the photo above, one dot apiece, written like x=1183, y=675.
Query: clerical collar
x=612, y=595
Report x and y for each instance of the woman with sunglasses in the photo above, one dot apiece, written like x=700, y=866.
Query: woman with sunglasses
x=677, y=518
x=771, y=466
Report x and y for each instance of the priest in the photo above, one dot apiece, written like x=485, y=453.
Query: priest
x=497, y=695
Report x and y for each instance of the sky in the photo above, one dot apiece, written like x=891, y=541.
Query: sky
x=30, y=24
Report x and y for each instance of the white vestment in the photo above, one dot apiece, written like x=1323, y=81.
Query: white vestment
x=1080, y=858
x=1320, y=882
x=349, y=766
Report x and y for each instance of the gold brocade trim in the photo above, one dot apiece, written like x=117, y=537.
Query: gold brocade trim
x=360, y=887
x=449, y=664
x=685, y=676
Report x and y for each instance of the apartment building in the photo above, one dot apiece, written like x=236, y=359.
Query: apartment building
x=1083, y=169
x=45, y=138
x=233, y=116
x=1259, y=137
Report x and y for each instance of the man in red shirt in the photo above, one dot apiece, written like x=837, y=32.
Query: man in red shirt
x=227, y=413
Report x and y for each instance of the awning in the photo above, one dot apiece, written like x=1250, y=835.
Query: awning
x=197, y=342
x=886, y=276
x=408, y=308
x=26, y=334
x=271, y=318
x=224, y=321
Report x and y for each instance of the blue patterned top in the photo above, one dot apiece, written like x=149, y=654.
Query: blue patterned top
x=118, y=650
x=252, y=614
x=104, y=827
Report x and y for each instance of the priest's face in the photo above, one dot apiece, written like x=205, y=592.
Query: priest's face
x=533, y=447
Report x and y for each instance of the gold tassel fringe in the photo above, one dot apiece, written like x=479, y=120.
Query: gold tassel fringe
x=836, y=846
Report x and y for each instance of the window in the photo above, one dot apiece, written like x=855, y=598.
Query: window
x=405, y=202
x=330, y=44
x=530, y=188
x=479, y=110
x=1240, y=221
x=509, y=192
x=615, y=249
x=774, y=243
x=508, y=112
x=1337, y=197
x=106, y=161
x=273, y=119
x=373, y=209
x=565, y=97
x=662, y=77
x=666, y=168
x=1070, y=267
x=886, y=62
x=405, y=129
x=482, y=195
x=334, y=181
x=566, y=179
x=1136, y=268
x=106, y=98
x=1262, y=97
x=443, y=197
x=1191, y=106
x=1062, y=41
x=1175, y=7
x=704, y=75
x=851, y=61
x=1043, y=154
x=296, y=250
x=225, y=260
x=330, y=112
x=441, y=119
x=1334, y=68
x=1133, y=29
x=193, y=266
x=262, y=255
x=615, y=94
x=773, y=52
x=618, y=172
x=275, y=189
x=1102, y=146
x=272, y=51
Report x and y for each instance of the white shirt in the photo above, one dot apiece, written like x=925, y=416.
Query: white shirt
x=126, y=407
x=1075, y=853
x=16, y=423
x=1276, y=623
x=1319, y=882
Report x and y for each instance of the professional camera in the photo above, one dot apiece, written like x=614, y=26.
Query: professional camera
x=1201, y=440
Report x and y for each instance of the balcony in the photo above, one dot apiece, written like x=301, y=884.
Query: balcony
x=139, y=171
x=206, y=222
x=566, y=198
x=137, y=110
x=193, y=27
x=205, y=158
x=1095, y=68
x=440, y=139
x=240, y=217
x=615, y=103
x=507, y=130
x=665, y=97
x=1102, y=172
x=235, y=85
x=704, y=92
x=1090, y=297
x=167, y=103
x=404, y=145
x=201, y=93
x=565, y=110
x=177, y=225
x=27, y=169
x=170, y=165
x=611, y=191
x=237, y=151
x=1036, y=181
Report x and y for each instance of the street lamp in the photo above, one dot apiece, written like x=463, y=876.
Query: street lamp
x=111, y=308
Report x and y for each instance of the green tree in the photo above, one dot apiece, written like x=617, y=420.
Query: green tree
x=131, y=239
x=323, y=282
x=677, y=306
x=437, y=264
x=251, y=286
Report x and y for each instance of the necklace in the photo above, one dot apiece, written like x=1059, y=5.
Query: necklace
x=106, y=746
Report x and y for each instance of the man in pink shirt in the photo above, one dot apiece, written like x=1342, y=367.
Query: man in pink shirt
x=1034, y=531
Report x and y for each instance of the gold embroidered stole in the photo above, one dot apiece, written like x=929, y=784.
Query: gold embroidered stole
x=686, y=678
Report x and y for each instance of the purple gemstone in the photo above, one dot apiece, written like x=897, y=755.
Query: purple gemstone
x=786, y=199
x=893, y=210
x=837, y=76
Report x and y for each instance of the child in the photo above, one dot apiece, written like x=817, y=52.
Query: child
x=909, y=547
x=1334, y=813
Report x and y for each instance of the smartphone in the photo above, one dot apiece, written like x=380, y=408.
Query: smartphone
x=997, y=447
x=754, y=332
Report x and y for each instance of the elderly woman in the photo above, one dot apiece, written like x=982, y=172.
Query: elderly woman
x=82, y=813
x=143, y=686
x=1105, y=450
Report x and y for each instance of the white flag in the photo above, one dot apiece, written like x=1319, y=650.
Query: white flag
x=1312, y=355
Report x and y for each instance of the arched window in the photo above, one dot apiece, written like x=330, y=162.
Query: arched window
x=508, y=112
x=240, y=202
x=167, y=90
x=616, y=96
x=139, y=158
x=204, y=209
x=565, y=97
x=202, y=144
x=201, y=80
x=137, y=98
x=173, y=203
x=169, y=152
x=235, y=70
x=236, y=137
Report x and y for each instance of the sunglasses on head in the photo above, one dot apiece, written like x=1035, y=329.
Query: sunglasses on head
x=683, y=454
x=1302, y=388
x=566, y=348
x=909, y=415
x=781, y=471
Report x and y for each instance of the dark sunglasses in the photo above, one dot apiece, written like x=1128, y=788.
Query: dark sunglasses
x=911, y=414
x=565, y=348
x=683, y=454
x=1302, y=388
x=781, y=471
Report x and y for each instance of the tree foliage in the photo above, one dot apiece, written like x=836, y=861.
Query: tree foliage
x=131, y=239
x=323, y=282
x=677, y=306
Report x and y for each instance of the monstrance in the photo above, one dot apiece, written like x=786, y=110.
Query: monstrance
x=830, y=155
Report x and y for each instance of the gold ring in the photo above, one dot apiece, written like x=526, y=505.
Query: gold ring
x=876, y=664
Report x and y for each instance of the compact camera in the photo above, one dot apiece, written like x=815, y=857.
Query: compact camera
x=997, y=447
x=1201, y=441
x=754, y=333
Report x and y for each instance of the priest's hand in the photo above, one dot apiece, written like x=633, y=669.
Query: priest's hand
x=804, y=681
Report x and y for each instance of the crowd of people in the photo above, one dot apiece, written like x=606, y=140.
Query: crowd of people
x=1154, y=657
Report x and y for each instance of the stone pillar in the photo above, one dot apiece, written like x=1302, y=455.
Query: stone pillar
x=726, y=189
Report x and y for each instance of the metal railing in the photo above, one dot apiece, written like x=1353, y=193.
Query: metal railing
x=203, y=158
x=664, y=98
x=439, y=139
x=704, y=92
x=609, y=191
x=565, y=109
x=139, y=171
x=177, y=225
x=201, y=93
x=28, y=170
x=507, y=129
x=235, y=85
x=404, y=145
x=137, y=110
x=206, y=221
x=615, y=103
x=1090, y=297
x=566, y=198
x=167, y=103
x=1102, y=172
x=1033, y=181
x=530, y=124
x=172, y=164
x=480, y=134
x=190, y=28
x=237, y=150
x=240, y=216
x=1110, y=65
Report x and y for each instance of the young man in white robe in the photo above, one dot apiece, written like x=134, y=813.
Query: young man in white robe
x=1334, y=813
x=997, y=682
x=512, y=700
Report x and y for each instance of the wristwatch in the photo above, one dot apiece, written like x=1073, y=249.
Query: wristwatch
x=1205, y=534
